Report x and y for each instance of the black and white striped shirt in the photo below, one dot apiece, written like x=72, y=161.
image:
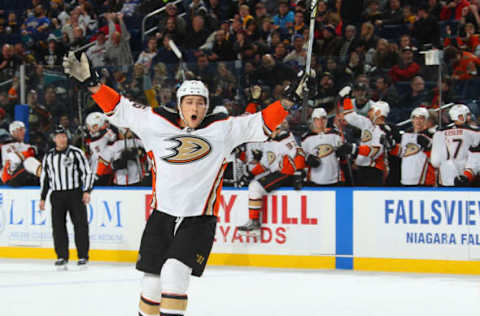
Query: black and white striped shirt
x=65, y=170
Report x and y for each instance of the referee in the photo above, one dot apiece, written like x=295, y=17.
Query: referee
x=67, y=174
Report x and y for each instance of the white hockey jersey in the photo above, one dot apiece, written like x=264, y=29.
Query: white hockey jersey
x=371, y=137
x=188, y=164
x=416, y=168
x=276, y=150
x=13, y=155
x=450, y=150
x=323, y=146
x=98, y=145
x=135, y=170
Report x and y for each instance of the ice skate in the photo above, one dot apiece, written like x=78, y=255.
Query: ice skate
x=61, y=264
x=253, y=225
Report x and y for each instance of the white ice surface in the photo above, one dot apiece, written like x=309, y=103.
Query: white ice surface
x=35, y=288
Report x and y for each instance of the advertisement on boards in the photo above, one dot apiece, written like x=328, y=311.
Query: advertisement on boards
x=293, y=223
x=443, y=225
x=115, y=219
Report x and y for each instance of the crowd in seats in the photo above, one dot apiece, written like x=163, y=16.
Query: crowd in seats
x=375, y=46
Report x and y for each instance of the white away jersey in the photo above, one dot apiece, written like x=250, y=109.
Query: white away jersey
x=371, y=135
x=98, y=146
x=323, y=146
x=275, y=149
x=134, y=171
x=450, y=149
x=415, y=162
x=14, y=153
x=188, y=164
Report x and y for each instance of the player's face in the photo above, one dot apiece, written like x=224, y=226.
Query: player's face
x=61, y=141
x=320, y=122
x=418, y=123
x=19, y=134
x=194, y=109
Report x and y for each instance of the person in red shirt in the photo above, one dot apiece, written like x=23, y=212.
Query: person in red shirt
x=464, y=64
x=407, y=68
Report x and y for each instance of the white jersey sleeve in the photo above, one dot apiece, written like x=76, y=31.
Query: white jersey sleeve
x=439, y=149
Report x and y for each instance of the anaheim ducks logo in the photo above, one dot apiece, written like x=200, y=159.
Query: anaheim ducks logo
x=188, y=149
x=324, y=150
x=366, y=136
x=411, y=149
x=270, y=157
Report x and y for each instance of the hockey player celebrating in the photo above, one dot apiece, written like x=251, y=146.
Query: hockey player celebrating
x=189, y=151
x=319, y=146
x=370, y=153
x=20, y=167
x=124, y=158
x=450, y=147
x=414, y=149
x=281, y=157
x=100, y=136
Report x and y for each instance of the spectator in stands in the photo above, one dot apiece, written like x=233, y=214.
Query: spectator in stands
x=354, y=66
x=79, y=40
x=260, y=14
x=96, y=53
x=146, y=56
x=406, y=69
x=37, y=24
x=204, y=71
x=284, y=18
x=165, y=53
x=53, y=105
x=434, y=9
x=330, y=44
x=280, y=51
x=197, y=33
x=385, y=56
x=372, y=13
x=298, y=55
x=464, y=64
x=173, y=32
x=468, y=43
x=327, y=93
x=53, y=55
x=454, y=9
x=416, y=96
x=392, y=16
x=6, y=105
x=349, y=43
x=245, y=16
x=87, y=18
x=367, y=36
x=40, y=118
x=8, y=63
x=385, y=90
x=118, y=51
x=273, y=72
x=171, y=12
x=71, y=24
x=426, y=29
x=225, y=81
x=222, y=49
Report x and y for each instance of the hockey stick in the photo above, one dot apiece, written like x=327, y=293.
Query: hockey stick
x=178, y=53
x=308, y=62
x=445, y=106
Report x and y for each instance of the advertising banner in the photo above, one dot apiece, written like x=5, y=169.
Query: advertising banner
x=442, y=225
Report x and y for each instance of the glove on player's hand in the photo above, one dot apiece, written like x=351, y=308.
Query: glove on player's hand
x=313, y=161
x=244, y=180
x=80, y=69
x=461, y=181
x=424, y=141
x=298, y=89
x=346, y=149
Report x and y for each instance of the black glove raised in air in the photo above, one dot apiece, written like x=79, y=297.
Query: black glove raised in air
x=313, y=161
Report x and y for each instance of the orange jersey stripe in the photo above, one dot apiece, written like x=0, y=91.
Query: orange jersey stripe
x=273, y=115
x=106, y=98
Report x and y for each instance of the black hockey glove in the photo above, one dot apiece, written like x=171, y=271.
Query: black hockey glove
x=130, y=154
x=299, y=89
x=461, y=181
x=313, y=161
x=298, y=180
x=475, y=149
x=80, y=69
x=119, y=164
x=347, y=149
x=257, y=154
x=424, y=141
x=244, y=180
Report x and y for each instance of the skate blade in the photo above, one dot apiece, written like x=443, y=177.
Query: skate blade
x=61, y=268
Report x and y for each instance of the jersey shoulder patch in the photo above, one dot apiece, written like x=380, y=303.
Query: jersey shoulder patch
x=212, y=118
x=170, y=116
